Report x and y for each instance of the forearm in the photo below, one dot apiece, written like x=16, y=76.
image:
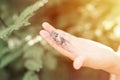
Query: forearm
x=115, y=68
x=114, y=77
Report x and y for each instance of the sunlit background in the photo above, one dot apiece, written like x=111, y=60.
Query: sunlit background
x=24, y=55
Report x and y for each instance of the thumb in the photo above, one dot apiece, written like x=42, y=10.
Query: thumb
x=78, y=62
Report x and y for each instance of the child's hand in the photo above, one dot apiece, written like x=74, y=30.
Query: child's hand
x=83, y=52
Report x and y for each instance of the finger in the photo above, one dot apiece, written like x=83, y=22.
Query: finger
x=48, y=27
x=63, y=32
x=66, y=36
x=44, y=34
x=59, y=48
x=78, y=62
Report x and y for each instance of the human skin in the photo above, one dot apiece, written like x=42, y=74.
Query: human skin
x=84, y=52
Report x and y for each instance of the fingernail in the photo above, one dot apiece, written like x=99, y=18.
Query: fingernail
x=45, y=24
x=43, y=34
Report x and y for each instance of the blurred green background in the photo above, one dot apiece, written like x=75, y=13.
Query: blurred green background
x=24, y=55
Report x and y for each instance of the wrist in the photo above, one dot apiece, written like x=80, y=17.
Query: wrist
x=114, y=77
x=115, y=66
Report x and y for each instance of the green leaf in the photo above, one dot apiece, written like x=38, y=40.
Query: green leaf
x=4, y=51
x=33, y=65
x=31, y=9
x=33, y=58
x=5, y=60
x=3, y=48
x=23, y=18
x=34, y=52
x=30, y=76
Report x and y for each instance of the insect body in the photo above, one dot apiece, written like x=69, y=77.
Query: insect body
x=57, y=37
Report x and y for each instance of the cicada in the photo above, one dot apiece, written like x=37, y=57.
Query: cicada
x=57, y=37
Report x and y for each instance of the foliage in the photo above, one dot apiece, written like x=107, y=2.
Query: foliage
x=8, y=55
x=23, y=18
x=24, y=55
x=30, y=76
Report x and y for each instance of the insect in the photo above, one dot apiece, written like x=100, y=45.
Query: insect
x=57, y=37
